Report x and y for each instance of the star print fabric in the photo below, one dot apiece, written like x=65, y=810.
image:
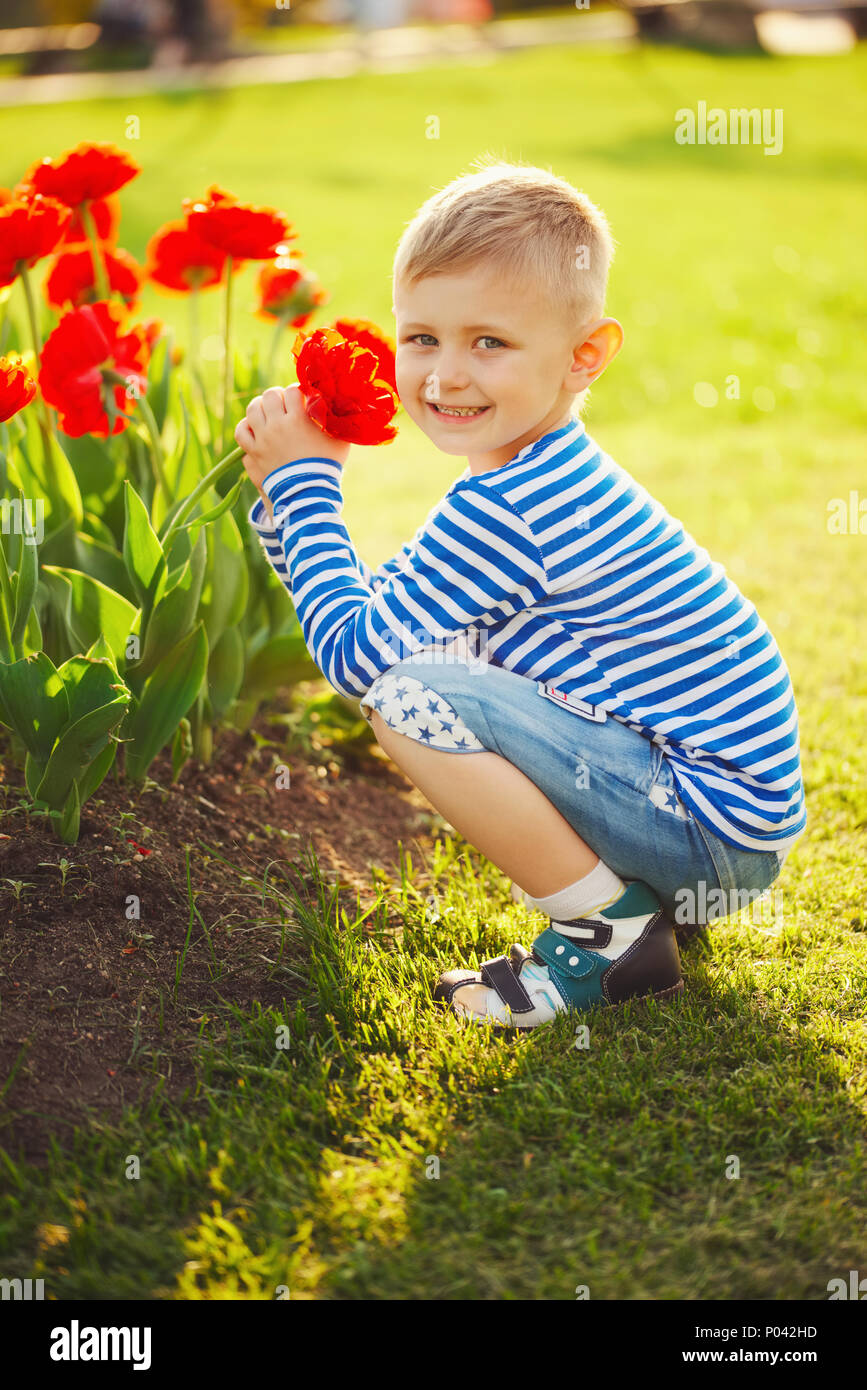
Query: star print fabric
x=410, y=707
x=667, y=800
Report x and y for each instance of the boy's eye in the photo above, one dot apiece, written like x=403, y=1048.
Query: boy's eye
x=485, y=338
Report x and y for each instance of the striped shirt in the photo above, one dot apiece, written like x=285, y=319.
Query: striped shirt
x=570, y=573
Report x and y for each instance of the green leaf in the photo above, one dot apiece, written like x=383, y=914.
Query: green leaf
x=59, y=485
x=175, y=613
x=96, y=466
x=28, y=578
x=34, y=703
x=216, y=511
x=102, y=562
x=95, y=527
x=166, y=698
x=142, y=551
x=90, y=683
x=226, y=670
x=227, y=586
x=182, y=748
x=94, y=776
x=75, y=750
x=159, y=376
x=70, y=821
x=96, y=609
x=283, y=661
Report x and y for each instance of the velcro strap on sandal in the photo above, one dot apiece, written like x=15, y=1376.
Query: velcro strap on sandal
x=586, y=930
x=575, y=973
x=498, y=974
x=564, y=956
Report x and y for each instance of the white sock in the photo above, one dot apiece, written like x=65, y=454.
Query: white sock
x=588, y=897
x=598, y=889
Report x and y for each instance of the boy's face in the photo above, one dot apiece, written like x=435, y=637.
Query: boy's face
x=480, y=339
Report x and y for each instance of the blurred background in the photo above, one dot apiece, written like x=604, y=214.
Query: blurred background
x=50, y=36
x=739, y=275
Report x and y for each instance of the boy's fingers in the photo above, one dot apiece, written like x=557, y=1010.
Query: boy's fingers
x=272, y=402
x=244, y=436
x=255, y=411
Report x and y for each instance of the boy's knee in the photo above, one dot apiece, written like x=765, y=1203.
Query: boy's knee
x=407, y=704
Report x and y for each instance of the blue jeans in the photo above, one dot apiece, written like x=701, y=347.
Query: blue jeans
x=613, y=785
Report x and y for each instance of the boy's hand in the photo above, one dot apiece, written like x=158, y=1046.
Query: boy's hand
x=276, y=429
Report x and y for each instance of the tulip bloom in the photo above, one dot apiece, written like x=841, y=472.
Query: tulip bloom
x=238, y=230
x=84, y=174
x=106, y=220
x=81, y=362
x=72, y=278
x=343, y=392
x=30, y=228
x=17, y=387
x=179, y=259
x=367, y=335
x=289, y=292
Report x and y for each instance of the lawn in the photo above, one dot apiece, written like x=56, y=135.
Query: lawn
x=384, y=1152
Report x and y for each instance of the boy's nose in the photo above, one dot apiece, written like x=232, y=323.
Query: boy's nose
x=452, y=375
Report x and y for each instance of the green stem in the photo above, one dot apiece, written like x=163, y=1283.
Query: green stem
x=195, y=358
x=45, y=425
x=275, y=343
x=194, y=328
x=116, y=379
x=159, y=455
x=99, y=270
x=7, y=651
x=228, y=374
x=199, y=491
x=183, y=512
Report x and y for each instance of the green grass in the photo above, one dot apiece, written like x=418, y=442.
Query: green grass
x=558, y=1166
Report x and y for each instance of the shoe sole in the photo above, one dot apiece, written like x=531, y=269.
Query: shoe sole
x=673, y=992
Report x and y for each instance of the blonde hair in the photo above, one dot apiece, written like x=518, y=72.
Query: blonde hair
x=525, y=221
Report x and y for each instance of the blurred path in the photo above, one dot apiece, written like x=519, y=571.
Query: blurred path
x=383, y=50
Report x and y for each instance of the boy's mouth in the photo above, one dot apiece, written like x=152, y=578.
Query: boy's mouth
x=458, y=412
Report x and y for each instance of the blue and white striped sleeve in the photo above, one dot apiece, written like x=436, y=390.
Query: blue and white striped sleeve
x=272, y=545
x=475, y=561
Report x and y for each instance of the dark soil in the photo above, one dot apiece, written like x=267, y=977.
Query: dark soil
x=89, y=1022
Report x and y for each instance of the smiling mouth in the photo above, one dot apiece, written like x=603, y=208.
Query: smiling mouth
x=459, y=411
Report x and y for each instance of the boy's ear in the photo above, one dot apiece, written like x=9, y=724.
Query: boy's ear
x=590, y=358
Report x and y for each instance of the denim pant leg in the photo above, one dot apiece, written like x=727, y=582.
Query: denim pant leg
x=612, y=785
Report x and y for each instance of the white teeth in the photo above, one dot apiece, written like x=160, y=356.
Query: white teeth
x=461, y=410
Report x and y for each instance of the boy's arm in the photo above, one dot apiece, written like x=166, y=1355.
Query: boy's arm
x=270, y=539
x=475, y=561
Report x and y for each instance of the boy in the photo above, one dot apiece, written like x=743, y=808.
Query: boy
x=585, y=695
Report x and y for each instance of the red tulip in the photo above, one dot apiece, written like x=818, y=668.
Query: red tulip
x=243, y=232
x=29, y=229
x=106, y=219
x=367, y=335
x=83, y=174
x=287, y=290
x=17, y=387
x=72, y=279
x=80, y=362
x=343, y=394
x=179, y=259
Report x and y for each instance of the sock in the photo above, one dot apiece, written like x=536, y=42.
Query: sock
x=598, y=889
x=589, y=896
